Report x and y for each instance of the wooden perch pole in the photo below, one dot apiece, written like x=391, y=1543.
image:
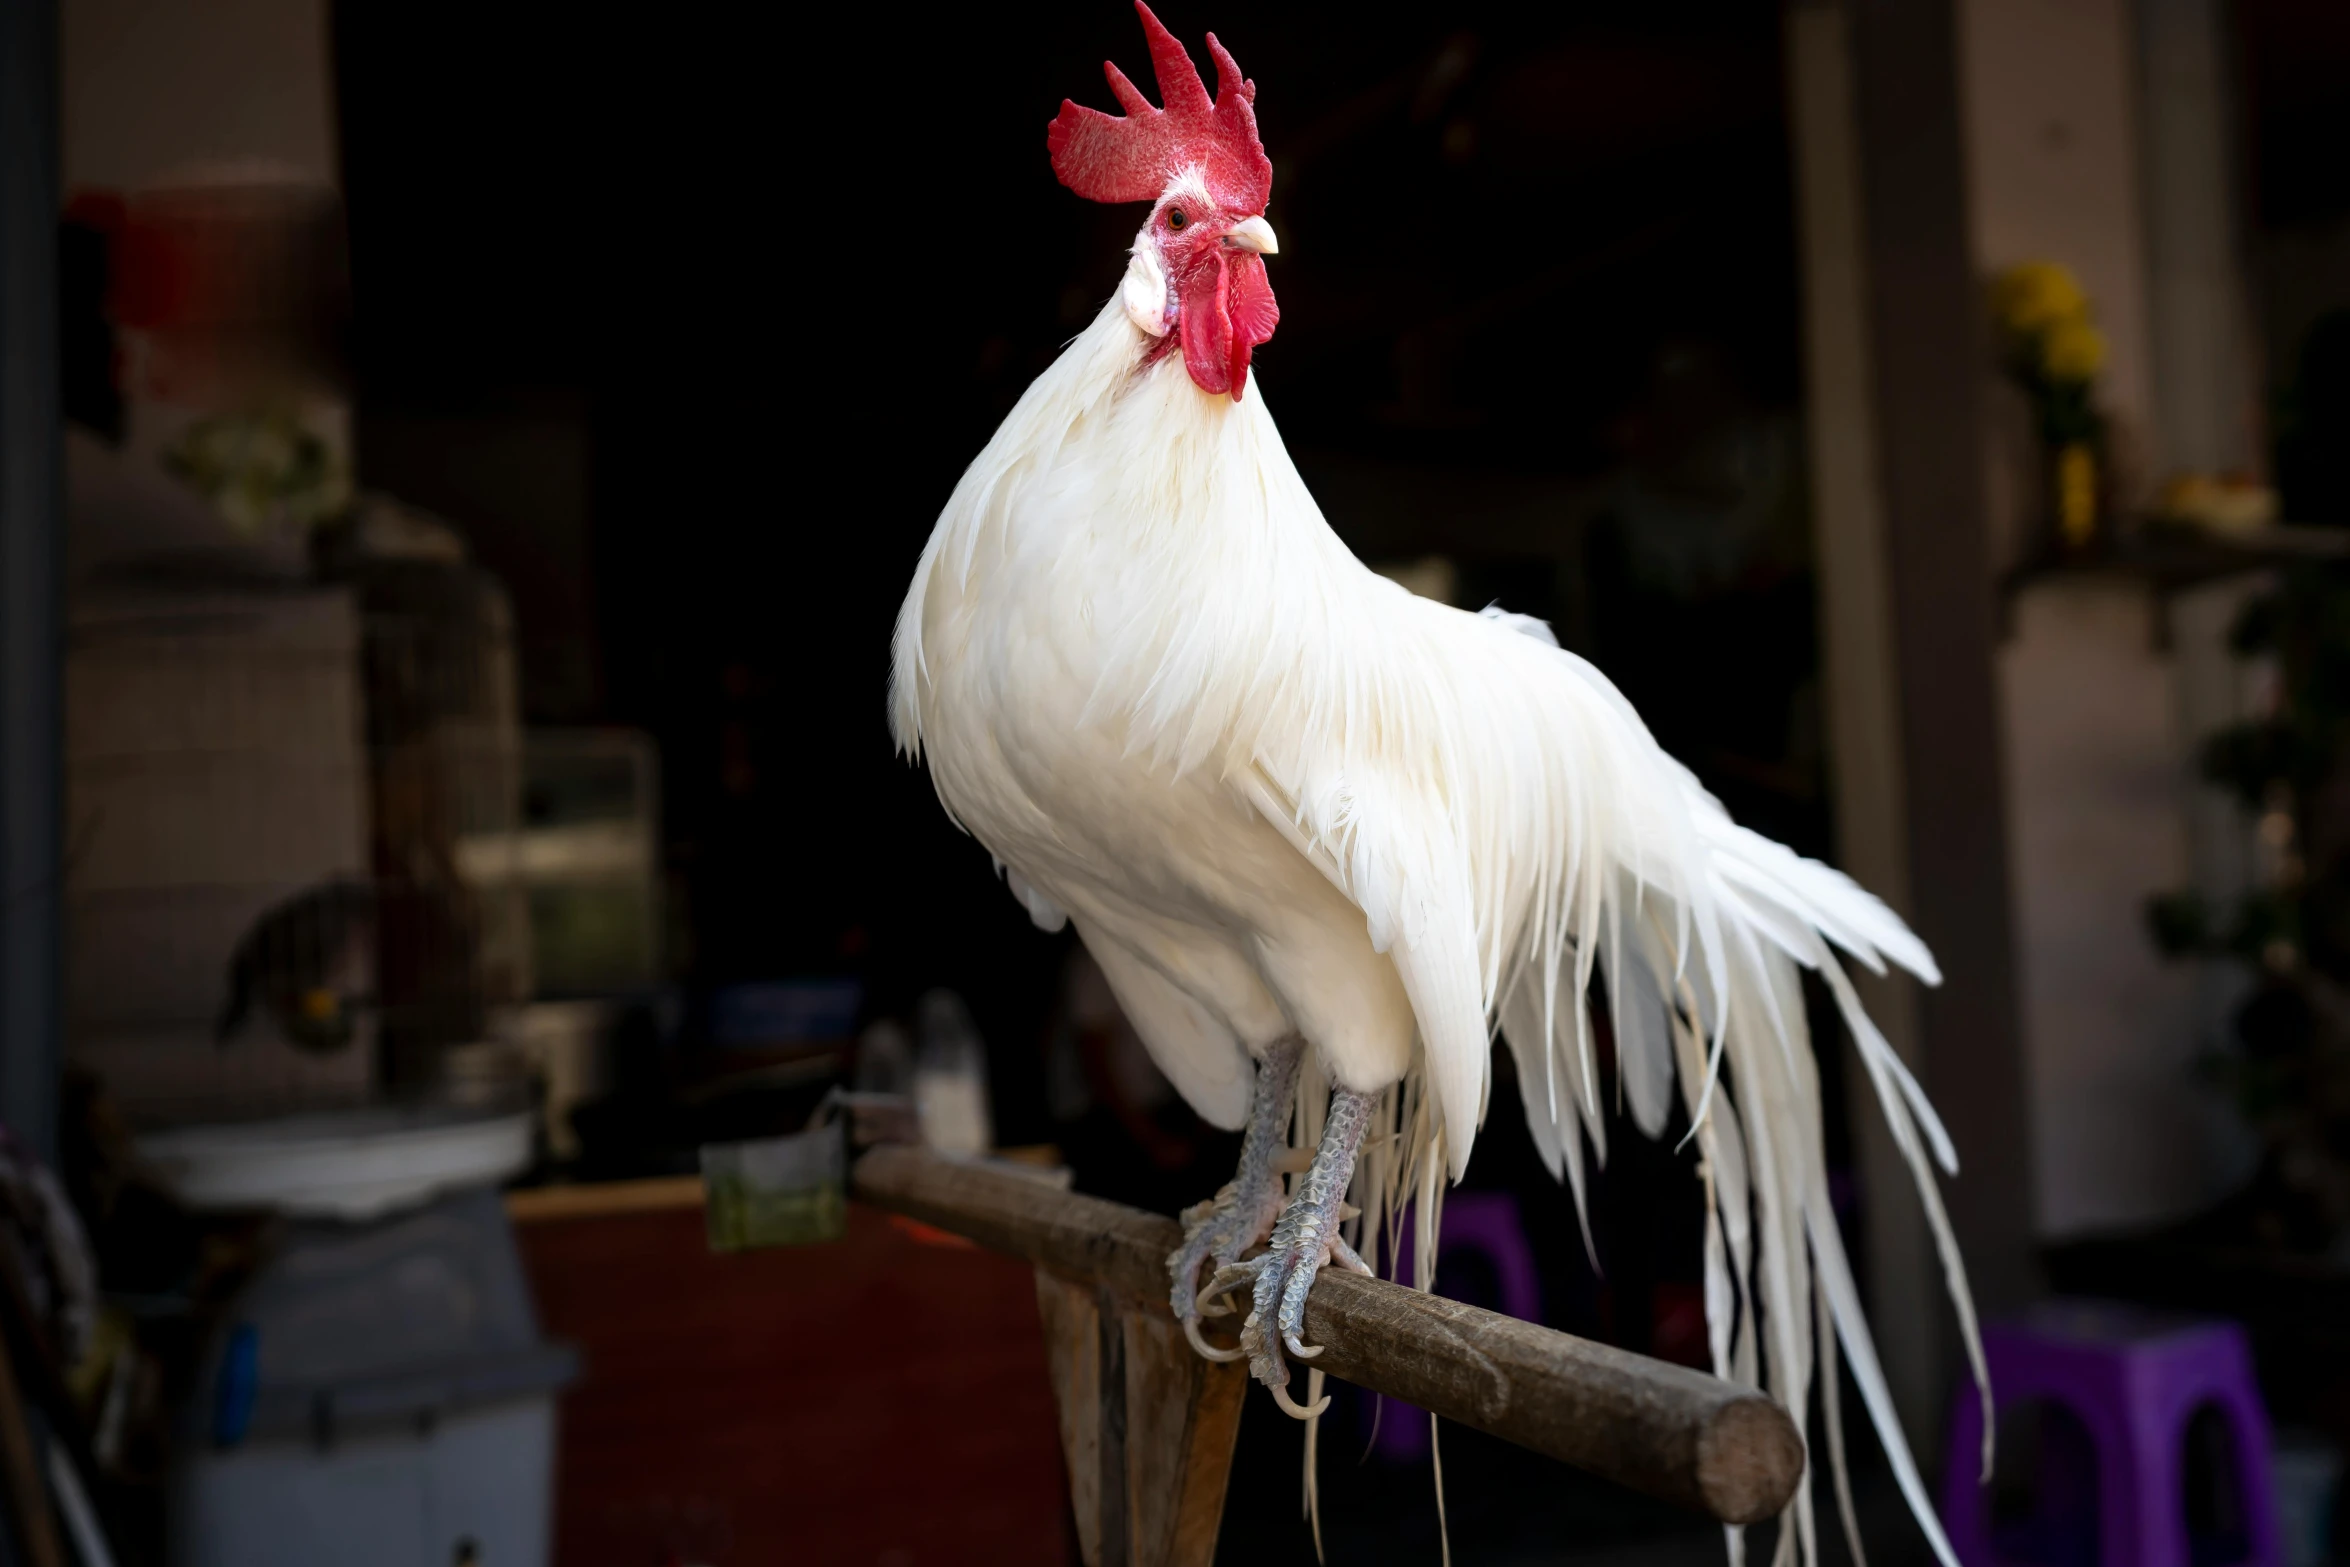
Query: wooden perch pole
x=1663, y=1430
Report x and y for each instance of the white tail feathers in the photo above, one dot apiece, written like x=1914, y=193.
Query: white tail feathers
x=1728, y=1022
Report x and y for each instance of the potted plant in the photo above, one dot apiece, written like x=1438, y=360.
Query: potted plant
x=2287, y=1067
x=2053, y=352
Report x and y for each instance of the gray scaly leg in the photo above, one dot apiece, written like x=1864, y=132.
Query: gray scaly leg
x=1303, y=1241
x=1241, y=1214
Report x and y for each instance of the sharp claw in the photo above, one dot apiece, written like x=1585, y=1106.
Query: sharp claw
x=1299, y=1350
x=1207, y=1350
x=1210, y=1306
x=1289, y=1406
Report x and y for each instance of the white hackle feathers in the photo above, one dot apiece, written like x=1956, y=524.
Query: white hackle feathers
x=1276, y=792
x=1144, y=293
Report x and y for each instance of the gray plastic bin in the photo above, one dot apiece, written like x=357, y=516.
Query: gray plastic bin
x=383, y=1399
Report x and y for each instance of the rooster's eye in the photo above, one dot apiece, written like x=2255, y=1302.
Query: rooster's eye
x=1175, y=218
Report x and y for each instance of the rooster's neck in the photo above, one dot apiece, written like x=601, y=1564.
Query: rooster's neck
x=1165, y=524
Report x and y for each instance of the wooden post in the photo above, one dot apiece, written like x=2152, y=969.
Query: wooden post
x=1149, y=1444
x=1147, y=1426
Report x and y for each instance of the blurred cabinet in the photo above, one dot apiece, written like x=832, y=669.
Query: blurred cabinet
x=877, y=1399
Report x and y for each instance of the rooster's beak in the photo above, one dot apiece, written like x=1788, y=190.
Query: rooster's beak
x=1253, y=234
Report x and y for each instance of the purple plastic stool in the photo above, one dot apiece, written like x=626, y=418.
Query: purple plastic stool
x=1483, y=1222
x=2134, y=1380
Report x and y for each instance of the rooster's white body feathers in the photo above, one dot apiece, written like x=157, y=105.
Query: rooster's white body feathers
x=1274, y=791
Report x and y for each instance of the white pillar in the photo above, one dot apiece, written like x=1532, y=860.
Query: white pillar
x=1857, y=663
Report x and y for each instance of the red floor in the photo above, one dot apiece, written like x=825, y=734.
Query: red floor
x=878, y=1401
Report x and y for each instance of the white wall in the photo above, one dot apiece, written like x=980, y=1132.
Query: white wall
x=2123, y=1132
x=151, y=87
x=2052, y=148
x=2099, y=722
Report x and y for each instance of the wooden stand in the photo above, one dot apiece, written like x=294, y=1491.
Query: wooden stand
x=1147, y=1426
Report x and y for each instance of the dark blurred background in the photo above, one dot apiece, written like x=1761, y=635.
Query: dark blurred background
x=496, y=441
x=721, y=330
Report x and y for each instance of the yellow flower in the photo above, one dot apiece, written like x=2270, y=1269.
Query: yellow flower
x=2072, y=351
x=2038, y=295
x=2076, y=494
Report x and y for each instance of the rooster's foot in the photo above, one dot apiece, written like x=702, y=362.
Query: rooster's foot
x=1304, y=1241
x=1219, y=1229
x=1278, y=1282
x=1242, y=1214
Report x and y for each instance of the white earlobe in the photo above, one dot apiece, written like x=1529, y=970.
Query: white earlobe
x=1144, y=293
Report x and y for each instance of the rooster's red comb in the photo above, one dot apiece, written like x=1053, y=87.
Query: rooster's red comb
x=1105, y=158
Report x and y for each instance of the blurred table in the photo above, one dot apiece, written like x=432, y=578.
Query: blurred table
x=880, y=1400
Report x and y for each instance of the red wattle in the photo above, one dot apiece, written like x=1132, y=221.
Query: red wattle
x=1208, y=339
x=1249, y=295
x=1227, y=309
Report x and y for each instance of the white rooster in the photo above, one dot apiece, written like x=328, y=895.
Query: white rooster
x=1316, y=829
